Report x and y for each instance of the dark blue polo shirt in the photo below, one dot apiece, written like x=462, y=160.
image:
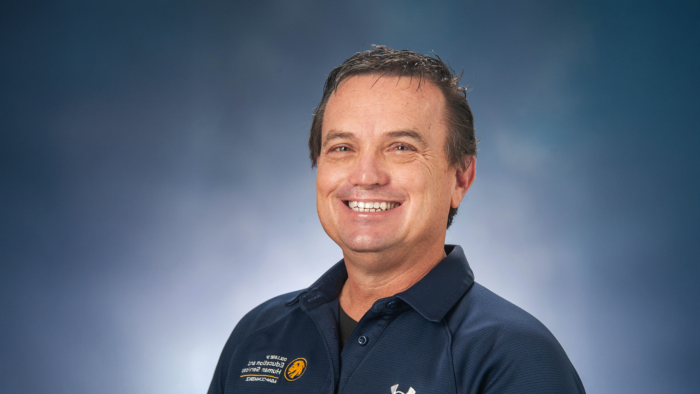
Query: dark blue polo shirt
x=446, y=334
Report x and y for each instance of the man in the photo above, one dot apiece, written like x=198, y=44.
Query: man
x=393, y=140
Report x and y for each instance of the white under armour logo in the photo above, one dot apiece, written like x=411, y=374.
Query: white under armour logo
x=396, y=386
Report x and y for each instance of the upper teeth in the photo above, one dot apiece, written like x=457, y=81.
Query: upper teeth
x=372, y=206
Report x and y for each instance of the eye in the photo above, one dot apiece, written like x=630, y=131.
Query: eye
x=339, y=149
x=402, y=147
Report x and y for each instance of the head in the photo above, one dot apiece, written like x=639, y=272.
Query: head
x=460, y=144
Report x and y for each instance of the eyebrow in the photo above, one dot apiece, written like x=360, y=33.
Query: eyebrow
x=414, y=135
x=336, y=135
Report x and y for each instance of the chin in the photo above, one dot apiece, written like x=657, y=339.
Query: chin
x=367, y=243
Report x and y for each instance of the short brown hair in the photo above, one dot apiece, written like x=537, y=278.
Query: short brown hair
x=383, y=61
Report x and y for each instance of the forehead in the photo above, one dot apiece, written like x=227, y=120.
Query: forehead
x=385, y=103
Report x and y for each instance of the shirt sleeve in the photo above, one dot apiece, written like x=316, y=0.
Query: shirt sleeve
x=262, y=315
x=528, y=360
x=218, y=382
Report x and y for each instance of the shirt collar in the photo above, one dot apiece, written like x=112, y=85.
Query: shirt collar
x=325, y=289
x=432, y=296
x=439, y=290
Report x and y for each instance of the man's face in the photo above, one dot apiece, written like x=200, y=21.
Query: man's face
x=383, y=143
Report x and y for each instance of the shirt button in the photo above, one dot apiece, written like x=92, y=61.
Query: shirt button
x=391, y=304
x=362, y=340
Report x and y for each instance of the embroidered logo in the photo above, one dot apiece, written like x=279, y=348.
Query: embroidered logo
x=396, y=387
x=267, y=370
x=295, y=369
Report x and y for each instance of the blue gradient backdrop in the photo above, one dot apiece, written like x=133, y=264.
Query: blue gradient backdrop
x=155, y=186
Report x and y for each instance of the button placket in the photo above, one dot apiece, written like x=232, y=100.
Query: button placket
x=369, y=329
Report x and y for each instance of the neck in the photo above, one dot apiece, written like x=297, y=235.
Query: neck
x=372, y=276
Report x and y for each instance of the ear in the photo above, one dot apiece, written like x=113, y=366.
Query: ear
x=465, y=178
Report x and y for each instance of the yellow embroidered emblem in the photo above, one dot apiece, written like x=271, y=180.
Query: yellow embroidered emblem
x=295, y=369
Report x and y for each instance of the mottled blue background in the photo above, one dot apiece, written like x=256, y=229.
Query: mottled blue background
x=155, y=185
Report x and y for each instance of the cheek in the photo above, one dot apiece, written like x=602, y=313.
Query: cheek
x=322, y=200
x=326, y=179
x=420, y=180
x=329, y=180
x=429, y=188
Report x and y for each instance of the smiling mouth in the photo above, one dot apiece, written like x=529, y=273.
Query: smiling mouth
x=371, y=206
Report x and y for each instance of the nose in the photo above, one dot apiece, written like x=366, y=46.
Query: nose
x=368, y=171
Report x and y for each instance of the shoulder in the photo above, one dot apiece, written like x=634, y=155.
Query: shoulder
x=500, y=347
x=484, y=311
x=264, y=315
